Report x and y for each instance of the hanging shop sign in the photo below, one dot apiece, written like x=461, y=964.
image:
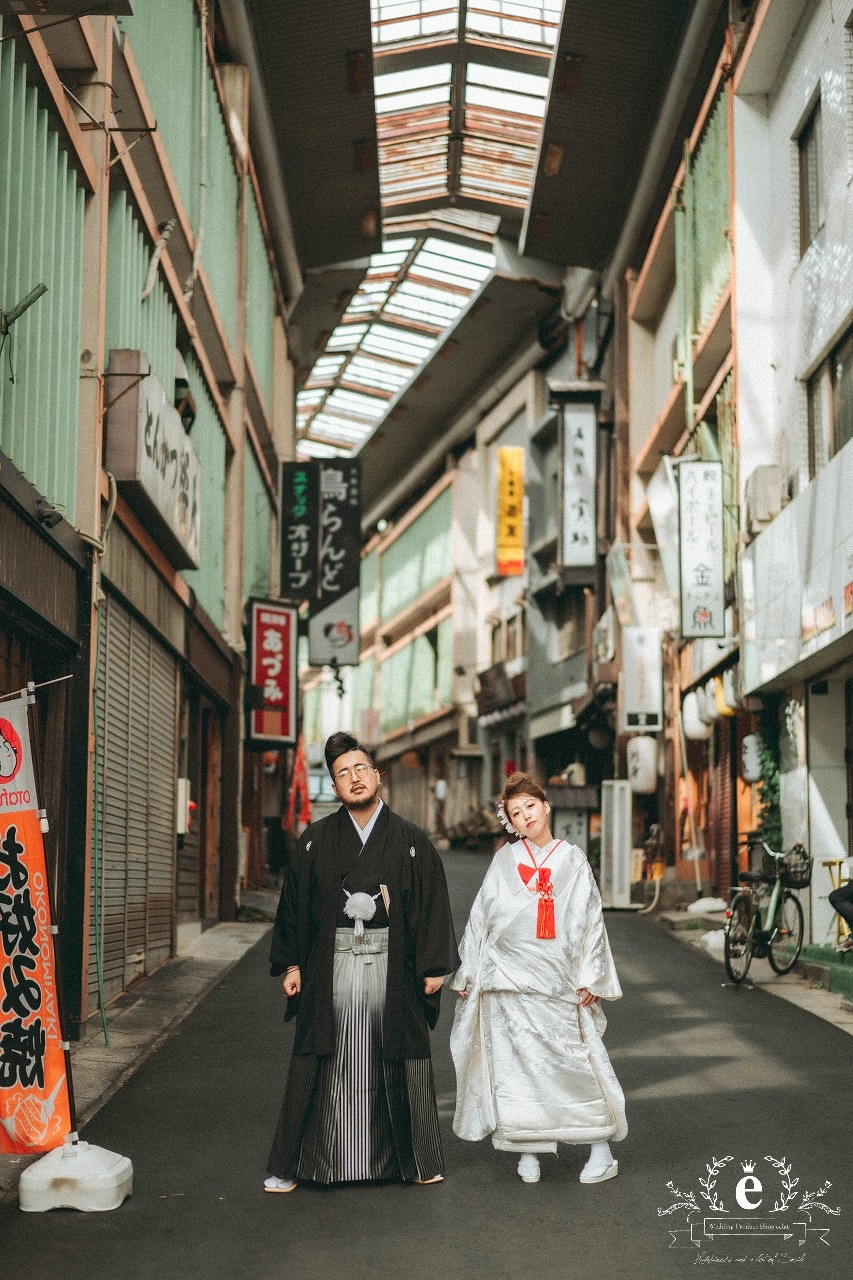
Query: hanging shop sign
x=510, y=522
x=152, y=458
x=35, y=1113
x=333, y=629
x=300, y=530
x=642, y=680
x=272, y=673
x=580, y=481
x=702, y=575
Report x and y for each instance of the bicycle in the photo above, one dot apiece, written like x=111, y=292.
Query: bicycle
x=765, y=918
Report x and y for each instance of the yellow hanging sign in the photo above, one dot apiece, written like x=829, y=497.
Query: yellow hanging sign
x=510, y=523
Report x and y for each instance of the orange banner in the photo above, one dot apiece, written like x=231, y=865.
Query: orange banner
x=510, y=523
x=35, y=1114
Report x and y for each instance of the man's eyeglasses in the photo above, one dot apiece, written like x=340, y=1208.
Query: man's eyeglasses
x=358, y=771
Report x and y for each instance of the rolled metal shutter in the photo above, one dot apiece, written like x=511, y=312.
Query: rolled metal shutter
x=132, y=903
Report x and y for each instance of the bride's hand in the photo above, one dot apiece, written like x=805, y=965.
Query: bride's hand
x=586, y=997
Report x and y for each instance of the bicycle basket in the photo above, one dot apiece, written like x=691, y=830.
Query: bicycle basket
x=797, y=868
x=772, y=868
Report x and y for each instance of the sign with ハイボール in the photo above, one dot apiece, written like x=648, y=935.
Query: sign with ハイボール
x=35, y=1113
x=272, y=673
x=700, y=549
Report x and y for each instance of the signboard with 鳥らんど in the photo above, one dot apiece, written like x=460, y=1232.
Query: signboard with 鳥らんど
x=700, y=530
x=510, y=522
x=333, y=628
x=35, y=1110
x=272, y=673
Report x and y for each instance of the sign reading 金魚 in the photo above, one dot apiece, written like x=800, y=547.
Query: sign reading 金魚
x=700, y=524
x=300, y=530
x=333, y=631
x=35, y=1113
x=510, y=522
x=272, y=667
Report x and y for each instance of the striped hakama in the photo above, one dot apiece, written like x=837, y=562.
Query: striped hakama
x=351, y=1116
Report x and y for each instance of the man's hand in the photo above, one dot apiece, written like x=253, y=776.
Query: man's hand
x=292, y=982
x=431, y=985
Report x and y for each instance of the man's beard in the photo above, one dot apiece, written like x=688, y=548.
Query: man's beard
x=359, y=803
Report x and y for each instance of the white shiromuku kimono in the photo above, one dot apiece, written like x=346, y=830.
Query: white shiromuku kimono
x=531, y=1067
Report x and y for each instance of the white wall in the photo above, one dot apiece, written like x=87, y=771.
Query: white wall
x=827, y=799
x=791, y=309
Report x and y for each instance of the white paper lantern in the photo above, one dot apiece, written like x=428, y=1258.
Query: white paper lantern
x=696, y=729
x=702, y=705
x=643, y=765
x=750, y=759
x=730, y=688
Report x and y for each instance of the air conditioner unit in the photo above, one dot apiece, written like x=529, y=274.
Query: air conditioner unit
x=616, y=843
x=765, y=497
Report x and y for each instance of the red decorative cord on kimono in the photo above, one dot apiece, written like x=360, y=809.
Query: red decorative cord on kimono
x=545, y=925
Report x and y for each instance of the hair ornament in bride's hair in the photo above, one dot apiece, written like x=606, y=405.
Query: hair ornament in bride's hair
x=504, y=819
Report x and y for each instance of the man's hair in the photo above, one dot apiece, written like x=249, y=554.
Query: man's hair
x=341, y=743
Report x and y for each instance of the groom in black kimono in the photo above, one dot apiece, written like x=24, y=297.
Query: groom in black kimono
x=363, y=936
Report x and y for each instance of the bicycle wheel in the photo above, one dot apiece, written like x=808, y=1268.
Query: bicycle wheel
x=737, y=943
x=786, y=940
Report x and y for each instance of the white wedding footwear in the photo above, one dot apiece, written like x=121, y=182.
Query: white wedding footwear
x=600, y=1166
x=528, y=1168
x=281, y=1185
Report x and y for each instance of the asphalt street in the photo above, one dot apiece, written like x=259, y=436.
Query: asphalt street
x=715, y=1078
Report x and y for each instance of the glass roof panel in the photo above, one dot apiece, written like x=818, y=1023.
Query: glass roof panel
x=516, y=21
x=413, y=20
x=450, y=128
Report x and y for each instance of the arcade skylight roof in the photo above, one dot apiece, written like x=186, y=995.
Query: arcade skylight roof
x=460, y=91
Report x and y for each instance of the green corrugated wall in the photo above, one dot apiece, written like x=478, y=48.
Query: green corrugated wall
x=41, y=241
x=257, y=519
x=368, y=602
x=419, y=558
x=711, y=248
x=260, y=301
x=165, y=38
x=208, y=438
x=148, y=326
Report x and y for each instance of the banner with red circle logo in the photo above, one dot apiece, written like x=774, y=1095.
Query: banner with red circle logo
x=35, y=1114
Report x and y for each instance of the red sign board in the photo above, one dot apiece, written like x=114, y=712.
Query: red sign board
x=34, y=1100
x=272, y=673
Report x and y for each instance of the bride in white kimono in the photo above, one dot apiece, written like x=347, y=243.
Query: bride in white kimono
x=531, y=1067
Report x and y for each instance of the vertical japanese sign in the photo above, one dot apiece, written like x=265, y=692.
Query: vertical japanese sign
x=272, y=672
x=642, y=680
x=580, y=481
x=300, y=530
x=700, y=524
x=333, y=634
x=510, y=522
x=35, y=1114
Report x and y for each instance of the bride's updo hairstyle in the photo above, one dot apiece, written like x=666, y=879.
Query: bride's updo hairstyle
x=521, y=784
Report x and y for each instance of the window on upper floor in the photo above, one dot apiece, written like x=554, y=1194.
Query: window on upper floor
x=829, y=396
x=811, y=177
x=497, y=642
x=568, y=614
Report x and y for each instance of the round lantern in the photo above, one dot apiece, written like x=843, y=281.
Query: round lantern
x=696, y=729
x=750, y=758
x=730, y=689
x=711, y=709
x=643, y=765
